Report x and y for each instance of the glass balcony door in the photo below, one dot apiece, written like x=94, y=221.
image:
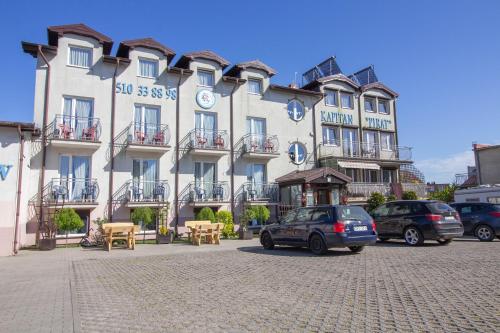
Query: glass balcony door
x=370, y=143
x=205, y=180
x=206, y=126
x=146, y=123
x=256, y=128
x=74, y=176
x=77, y=117
x=256, y=176
x=144, y=179
x=350, y=142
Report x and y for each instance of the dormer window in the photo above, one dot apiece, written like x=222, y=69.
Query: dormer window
x=80, y=56
x=331, y=97
x=255, y=86
x=369, y=104
x=383, y=106
x=346, y=100
x=147, y=68
x=206, y=78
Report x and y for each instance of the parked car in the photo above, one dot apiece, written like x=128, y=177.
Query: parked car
x=322, y=227
x=417, y=220
x=481, y=220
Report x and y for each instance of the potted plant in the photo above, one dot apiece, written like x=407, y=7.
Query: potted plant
x=48, y=240
x=67, y=220
x=144, y=215
x=247, y=216
x=164, y=235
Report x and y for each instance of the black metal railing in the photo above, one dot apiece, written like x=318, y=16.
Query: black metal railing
x=208, y=191
x=148, y=134
x=72, y=190
x=354, y=149
x=260, y=143
x=74, y=128
x=148, y=191
x=261, y=192
x=208, y=139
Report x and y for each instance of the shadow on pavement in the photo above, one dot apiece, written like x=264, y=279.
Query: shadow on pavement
x=289, y=251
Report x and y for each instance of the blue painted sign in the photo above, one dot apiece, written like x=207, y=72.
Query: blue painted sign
x=336, y=117
x=4, y=171
x=144, y=91
x=378, y=123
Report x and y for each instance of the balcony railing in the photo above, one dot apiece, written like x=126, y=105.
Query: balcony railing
x=148, y=191
x=148, y=134
x=260, y=143
x=419, y=189
x=84, y=190
x=75, y=128
x=208, y=191
x=261, y=192
x=354, y=149
x=366, y=189
x=208, y=139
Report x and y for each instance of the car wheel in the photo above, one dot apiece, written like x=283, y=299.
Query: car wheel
x=267, y=241
x=383, y=239
x=356, y=249
x=444, y=241
x=484, y=233
x=413, y=236
x=317, y=245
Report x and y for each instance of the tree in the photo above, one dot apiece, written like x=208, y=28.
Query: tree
x=376, y=199
x=67, y=220
x=225, y=217
x=247, y=216
x=391, y=197
x=446, y=195
x=145, y=215
x=410, y=195
x=206, y=213
x=262, y=214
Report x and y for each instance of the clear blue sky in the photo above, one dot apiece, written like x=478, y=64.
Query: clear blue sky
x=442, y=57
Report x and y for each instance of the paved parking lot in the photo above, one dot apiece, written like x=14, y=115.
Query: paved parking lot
x=240, y=287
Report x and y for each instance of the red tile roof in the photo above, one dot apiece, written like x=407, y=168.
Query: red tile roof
x=307, y=176
x=186, y=58
x=150, y=43
x=56, y=31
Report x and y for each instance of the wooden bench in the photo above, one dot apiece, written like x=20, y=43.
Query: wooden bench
x=119, y=230
x=192, y=224
x=211, y=233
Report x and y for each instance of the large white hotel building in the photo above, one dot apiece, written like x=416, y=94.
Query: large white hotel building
x=144, y=127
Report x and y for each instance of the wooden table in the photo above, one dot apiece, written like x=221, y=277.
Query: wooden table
x=204, y=229
x=119, y=230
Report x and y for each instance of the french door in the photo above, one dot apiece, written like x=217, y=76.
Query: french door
x=256, y=176
x=370, y=144
x=146, y=122
x=204, y=179
x=74, y=175
x=350, y=142
x=206, y=126
x=78, y=115
x=256, y=127
x=144, y=178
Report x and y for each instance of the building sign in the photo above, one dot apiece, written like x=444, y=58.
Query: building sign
x=4, y=171
x=205, y=99
x=145, y=91
x=336, y=117
x=378, y=123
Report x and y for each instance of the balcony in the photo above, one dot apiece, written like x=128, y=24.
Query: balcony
x=74, y=132
x=362, y=191
x=260, y=193
x=362, y=150
x=144, y=193
x=260, y=146
x=148, y=137
x=208, y=193
x=203, y=142
x=72, y=192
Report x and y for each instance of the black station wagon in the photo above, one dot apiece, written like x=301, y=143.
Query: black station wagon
x=322, y=227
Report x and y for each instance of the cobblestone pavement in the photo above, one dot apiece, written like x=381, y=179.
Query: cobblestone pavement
x=240, y=287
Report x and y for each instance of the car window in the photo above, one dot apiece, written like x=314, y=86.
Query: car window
x=304, y=215
x=381, y=211
x=356, y=213
x=289, y=217
x=417, y=208
x=465, y=209
x=400, y=209
x=439, y=207
x=321, y=214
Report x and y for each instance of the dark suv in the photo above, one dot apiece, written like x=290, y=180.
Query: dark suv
x=417, y=220
x=322, y=227
x=480, y=219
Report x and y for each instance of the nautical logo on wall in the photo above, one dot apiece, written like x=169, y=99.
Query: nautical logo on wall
x=205, y=99
x=4, y=170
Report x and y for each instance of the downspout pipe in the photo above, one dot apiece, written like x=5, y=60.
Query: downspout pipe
x=19, y=188
x=231, y=142
x=315, y=143
x=112, y=144
x=44, y=134
x=177, y=153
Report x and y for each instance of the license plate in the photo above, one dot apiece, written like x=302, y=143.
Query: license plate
x=449, y=217
x=361, y=228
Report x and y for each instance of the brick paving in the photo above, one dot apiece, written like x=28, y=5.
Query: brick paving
x=240, y=287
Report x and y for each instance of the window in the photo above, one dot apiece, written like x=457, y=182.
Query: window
x=383, y=106
x=350, y=142
x=346, y=100
x=148, y=68
x=381, y=211
x=388, y=176
x=369, y=104
x=494, y=200
x=78, y=116
x=205, y=78
x=146, y=124
x=255, y=86
x=331, y=135
x=321, y=214
x=387, y=141
x=400, y=209
x=295, y=110
x=331, y=97
x=145, y=174
x=74, y=178
x=371, y=176
x=80, y=57
x=289, y=217
x=297, y=153
x=304, y=215
x=354, y=174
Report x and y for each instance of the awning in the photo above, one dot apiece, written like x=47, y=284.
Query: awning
x=358, y=165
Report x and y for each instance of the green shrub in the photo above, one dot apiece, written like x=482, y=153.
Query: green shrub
x=262, y=214
x=225, y=217
x=410, y=195
x=446, y=195
x=146, y=215
x=375, y=200
x=391, y=197
x=67, y=220
x=206, y=213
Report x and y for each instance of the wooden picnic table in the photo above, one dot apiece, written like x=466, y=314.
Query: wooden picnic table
x=119, y=230
x=204, y=230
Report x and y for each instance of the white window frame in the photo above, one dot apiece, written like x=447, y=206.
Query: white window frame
x=202, y=167
x=389, y=146
x=337, y=132
x=294, y=118
x=143, y=113
x=336, y=93
x=211, y=72
x=387, y=105
x=255, y=80
x=375, y=104
x=157, y=67
x=351, y=98
x=251, y=172
x=84, y=48
x=296, y=144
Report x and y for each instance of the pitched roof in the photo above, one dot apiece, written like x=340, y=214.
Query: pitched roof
x=256, y=64
x=56, y=31
x=297, y=91
x=186, y=58
x=307, y=176
x=471, y=181
x=149, y=43
x=335, y=77
x=381, y=86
